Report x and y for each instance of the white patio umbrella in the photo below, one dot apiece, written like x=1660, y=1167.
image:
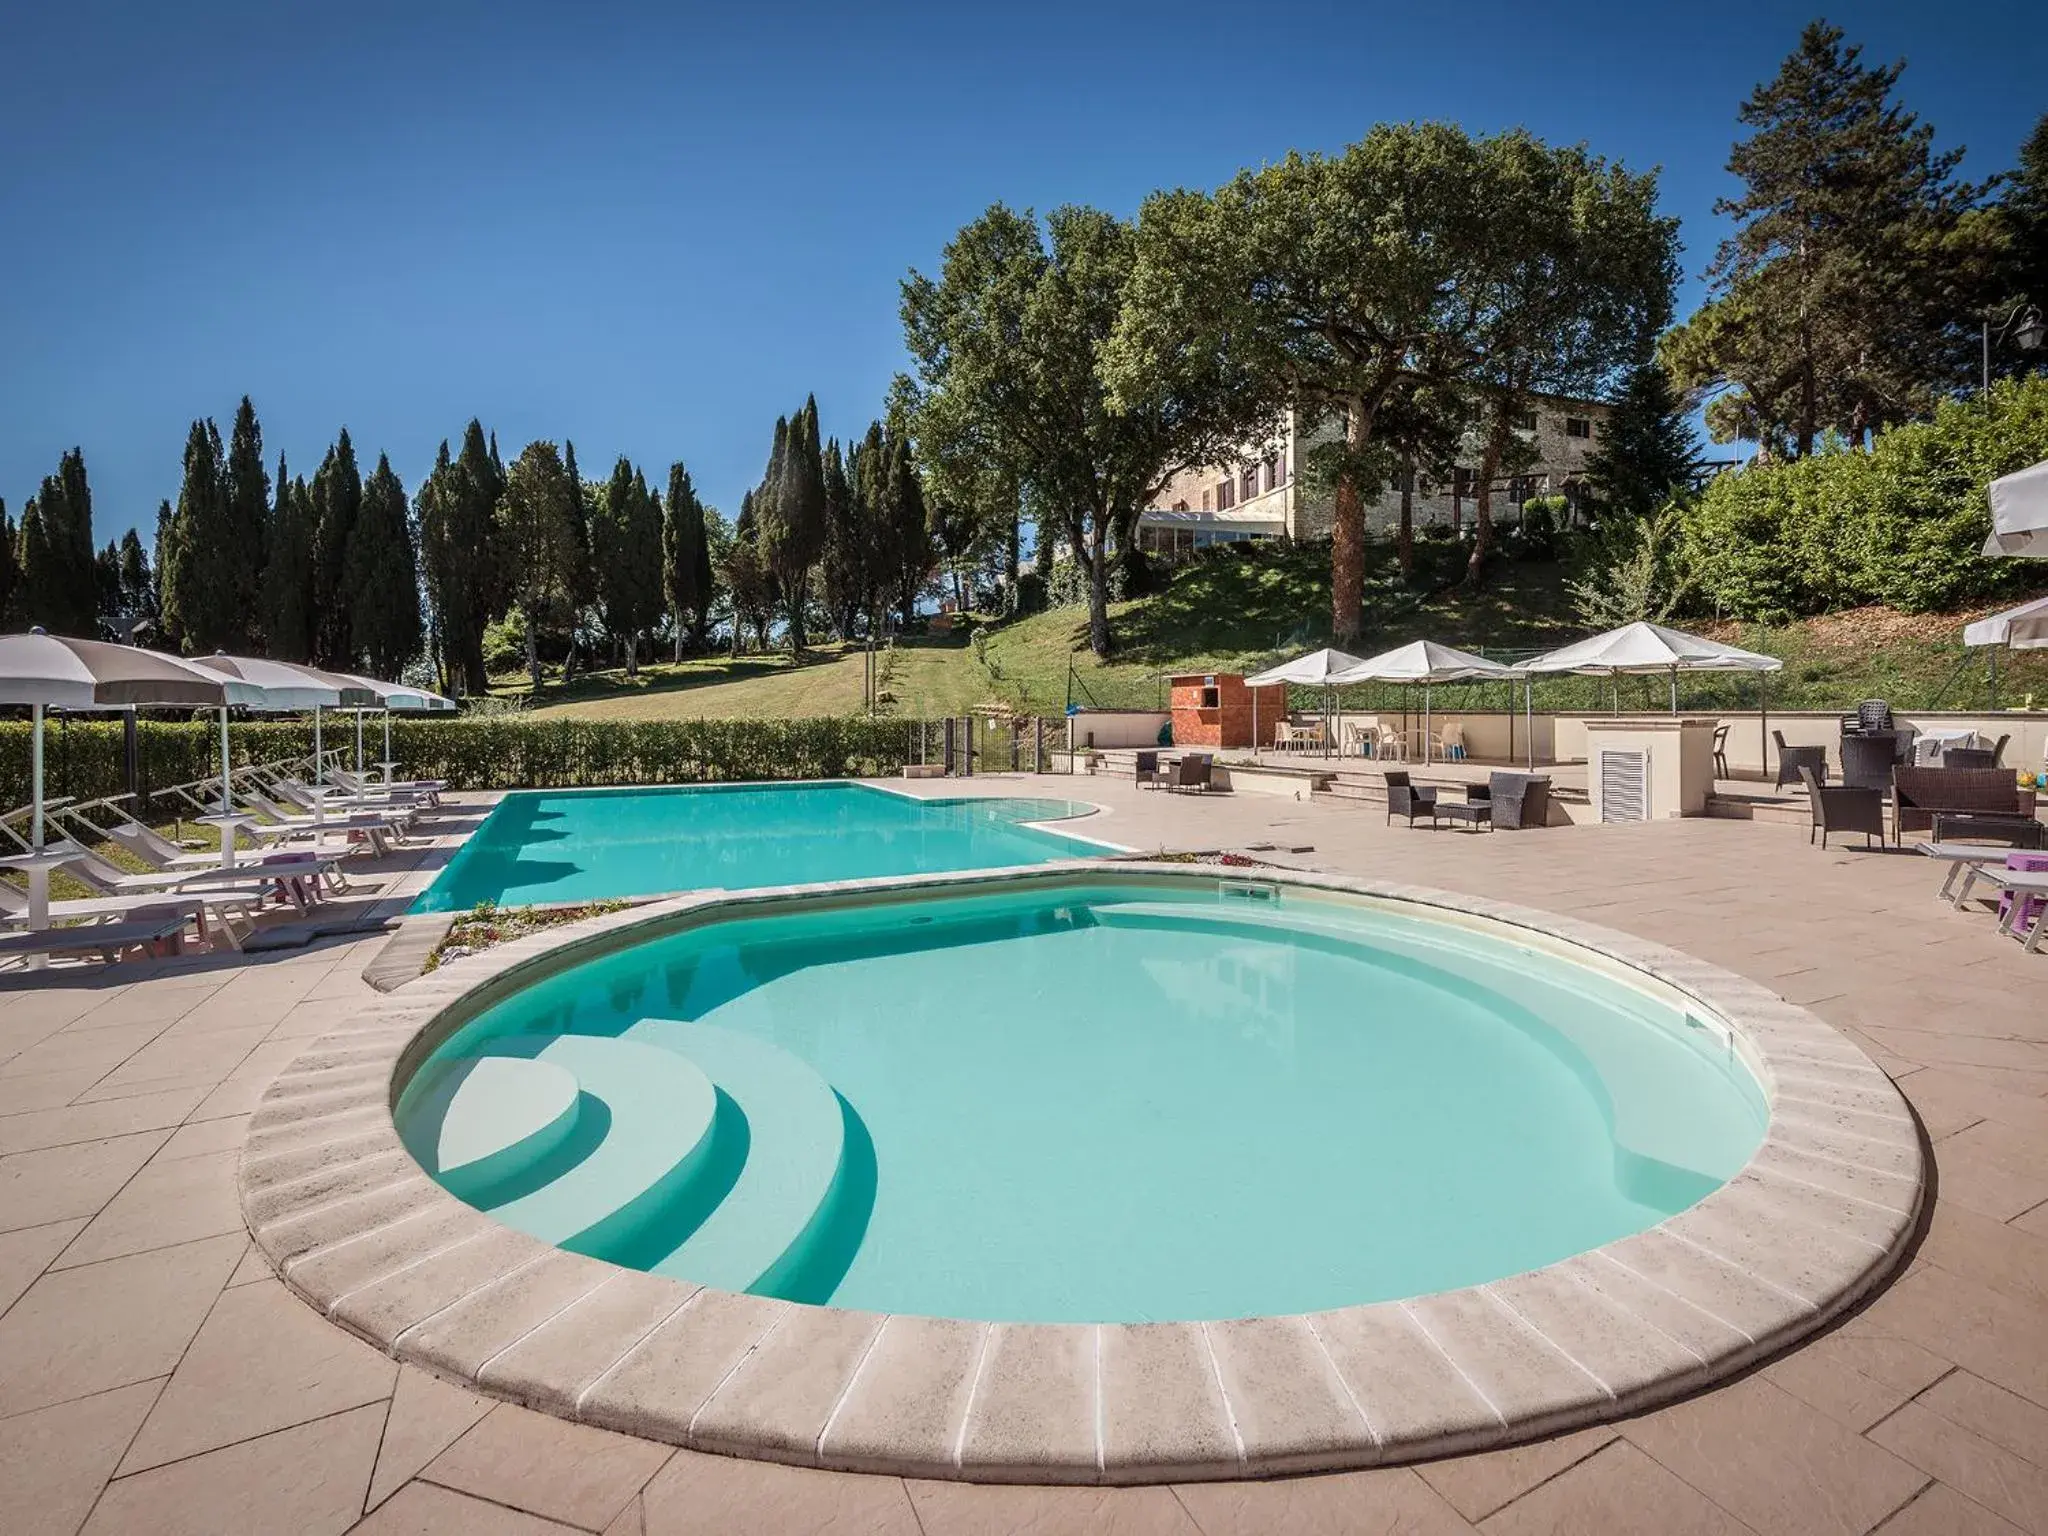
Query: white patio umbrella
x=2024, y=628
x=1645, y=649
x=390, y=696
x=1427, y=663
x=1313, y=670
x=2019, y=514
x=286, y=687
x=45, y=671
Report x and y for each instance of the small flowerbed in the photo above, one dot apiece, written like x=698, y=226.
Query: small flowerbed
x=488, y=924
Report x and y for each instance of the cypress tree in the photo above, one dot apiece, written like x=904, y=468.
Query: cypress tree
x=337, y=503
x=685, y=558
x=137, y=584
x=845, y=554
x=383, y=577
x=910, y=540
x=107, y=587
x=246, y=498
x=10, y=568
x=536, y=520
x=166, y=529
x=288, y=575
x=58, y=580
x=202, y=601
x=581, y=590
x=466, y=580
x=626, y=550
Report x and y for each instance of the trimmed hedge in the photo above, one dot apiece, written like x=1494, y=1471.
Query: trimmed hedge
x=83, y=756
x=1900, y=524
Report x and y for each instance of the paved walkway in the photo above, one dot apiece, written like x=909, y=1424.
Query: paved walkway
x=155, y=1377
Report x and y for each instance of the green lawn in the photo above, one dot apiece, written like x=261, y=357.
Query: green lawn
x=1242, y=609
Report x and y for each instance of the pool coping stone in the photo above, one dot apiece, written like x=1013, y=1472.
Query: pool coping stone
x=1823, y=1214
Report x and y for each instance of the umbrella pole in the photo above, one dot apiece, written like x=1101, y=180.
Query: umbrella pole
x=35, y=775
x=226, y=803
x=1425, y=725
x=38, y=872
x=1674, y=689
x=387, y=746
x=319, y=757
x=1529, y=717
x=359, y=743
x=1763, y=721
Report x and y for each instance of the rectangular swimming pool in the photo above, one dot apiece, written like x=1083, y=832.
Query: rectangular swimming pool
x=586, y=845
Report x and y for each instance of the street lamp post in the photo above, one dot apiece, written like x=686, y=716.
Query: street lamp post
x=2027, y=331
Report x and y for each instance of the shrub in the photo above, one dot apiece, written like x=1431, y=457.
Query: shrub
x=83, y=758
x=1899, y=524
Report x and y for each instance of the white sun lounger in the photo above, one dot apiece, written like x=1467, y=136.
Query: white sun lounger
x=107, y=940
x=1967, y=861
x=212, y=912
x=2019, y=885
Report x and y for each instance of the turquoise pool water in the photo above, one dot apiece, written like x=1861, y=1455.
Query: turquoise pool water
x=1085, y=1100
x=584, y=845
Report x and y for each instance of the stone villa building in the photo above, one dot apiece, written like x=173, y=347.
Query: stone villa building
x=1262, y=498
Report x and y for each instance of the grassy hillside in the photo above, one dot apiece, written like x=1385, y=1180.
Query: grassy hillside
x=1241, y=610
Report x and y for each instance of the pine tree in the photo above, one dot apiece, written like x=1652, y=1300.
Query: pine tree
x=337, y=503
x=203, y=602
x=1648, y=452
x=59, y=582
x=10, y=568
x=383, y=578
x=1845, y=298
x=685, y=559
x=288, y=576
x=2025, y=210
x=246, y=508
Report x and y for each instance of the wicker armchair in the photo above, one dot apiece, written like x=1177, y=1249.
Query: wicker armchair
x=1191, y=772
x=1867, y=761
x=1519, y=799
x=1843, y=808
x=1147, y=770
x=1792, y=759
x=1411, y=800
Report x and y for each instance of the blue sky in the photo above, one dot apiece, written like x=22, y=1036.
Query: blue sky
x=651, y=228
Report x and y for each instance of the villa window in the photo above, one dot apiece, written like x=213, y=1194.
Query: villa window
x=1465, y=482
x=1578, y=426
x=1180, y=506
x=1276, y=471
x=1526, y=420
x=1226, y=495
x=1250, y=481
x=1207, y=497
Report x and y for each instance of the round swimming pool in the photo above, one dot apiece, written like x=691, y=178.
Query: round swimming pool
x=1095, y=1099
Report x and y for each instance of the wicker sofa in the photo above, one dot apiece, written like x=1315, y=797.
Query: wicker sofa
x=1919, y=794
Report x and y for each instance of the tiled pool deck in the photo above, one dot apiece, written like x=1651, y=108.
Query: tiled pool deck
x=154, y=1376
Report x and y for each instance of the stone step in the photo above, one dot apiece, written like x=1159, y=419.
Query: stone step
x=795, y=1142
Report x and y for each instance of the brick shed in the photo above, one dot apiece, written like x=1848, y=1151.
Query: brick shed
x=1214, y=709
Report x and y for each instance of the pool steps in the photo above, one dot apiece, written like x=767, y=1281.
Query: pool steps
x=731, y=1176
x=796, y=1140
